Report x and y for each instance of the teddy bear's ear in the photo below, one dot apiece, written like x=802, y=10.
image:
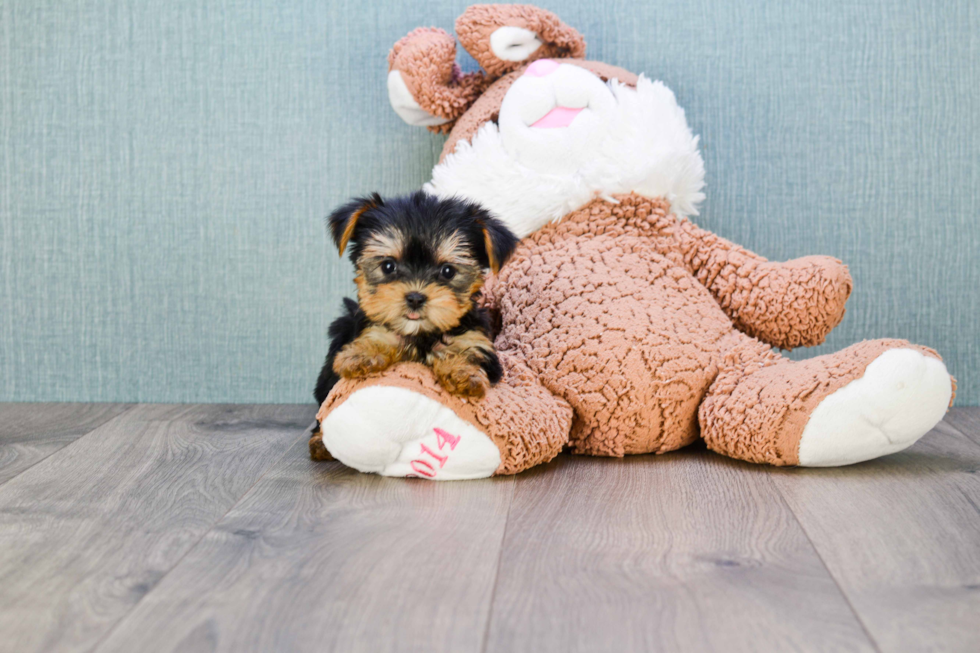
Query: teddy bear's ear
x=504, y=37
x=425, y=85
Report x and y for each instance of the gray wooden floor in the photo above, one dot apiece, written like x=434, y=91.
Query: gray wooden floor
x=187, y=528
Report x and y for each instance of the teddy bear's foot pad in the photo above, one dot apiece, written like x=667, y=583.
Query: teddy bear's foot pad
x=396, y=432
x=901, y=397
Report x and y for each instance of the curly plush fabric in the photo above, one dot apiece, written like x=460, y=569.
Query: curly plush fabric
x=478, y=23
x=621, y=327
x=757, y=407
x=426, y=58
x=525, y=437
x=606, y=308
x=787, y=305
x=486, y=108
x=625, y=317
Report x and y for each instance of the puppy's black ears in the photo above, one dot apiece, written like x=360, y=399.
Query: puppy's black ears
x=499, y=242
x=343, y=221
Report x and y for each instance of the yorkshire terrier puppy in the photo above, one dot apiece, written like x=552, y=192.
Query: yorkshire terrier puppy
x=420, y=264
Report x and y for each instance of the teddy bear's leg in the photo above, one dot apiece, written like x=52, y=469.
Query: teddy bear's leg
x=868, y=400
x=403, y=423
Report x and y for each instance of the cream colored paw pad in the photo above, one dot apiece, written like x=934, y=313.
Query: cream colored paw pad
x=901, y=397
x=397, y=432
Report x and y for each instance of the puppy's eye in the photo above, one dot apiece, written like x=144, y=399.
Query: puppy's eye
x=447, y=272
x=388, y=267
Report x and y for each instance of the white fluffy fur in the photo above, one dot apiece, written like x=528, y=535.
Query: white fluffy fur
x=647, y=147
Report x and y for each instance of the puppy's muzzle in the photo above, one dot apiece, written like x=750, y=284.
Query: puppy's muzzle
x=415, y=300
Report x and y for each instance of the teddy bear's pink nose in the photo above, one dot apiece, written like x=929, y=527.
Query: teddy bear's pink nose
x=541, y=68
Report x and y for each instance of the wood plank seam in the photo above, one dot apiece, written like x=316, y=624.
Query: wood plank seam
x=830, y=573
x=970, y=438
x=496, y=573
x=851, y=589
x=122, y=618
x=961, y=417
x=95, y=427
x=338, y=531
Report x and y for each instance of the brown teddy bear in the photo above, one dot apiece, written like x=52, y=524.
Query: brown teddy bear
x=623, y=328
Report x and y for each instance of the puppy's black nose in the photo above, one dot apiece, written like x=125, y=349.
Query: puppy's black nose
x=415, y=300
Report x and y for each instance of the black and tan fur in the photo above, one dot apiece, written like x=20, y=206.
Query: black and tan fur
x=420, y=264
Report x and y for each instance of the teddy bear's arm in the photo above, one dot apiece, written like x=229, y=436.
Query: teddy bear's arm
x=786, y=305
x=425, y=84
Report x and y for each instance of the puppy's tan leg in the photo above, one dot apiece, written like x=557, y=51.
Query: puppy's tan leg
x=317, y=449
x=375, y=350
x=458, y=363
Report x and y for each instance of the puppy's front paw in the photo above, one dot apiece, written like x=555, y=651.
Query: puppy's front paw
x=460, y=377
x=317, y=449
x=353, y=363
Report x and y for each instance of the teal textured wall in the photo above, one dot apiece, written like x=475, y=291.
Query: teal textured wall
x=165, y=169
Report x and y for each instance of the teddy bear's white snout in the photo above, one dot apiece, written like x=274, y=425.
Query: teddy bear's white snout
x=555, y=116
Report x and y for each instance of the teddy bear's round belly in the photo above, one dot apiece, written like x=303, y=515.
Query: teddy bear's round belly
x=628, y=337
